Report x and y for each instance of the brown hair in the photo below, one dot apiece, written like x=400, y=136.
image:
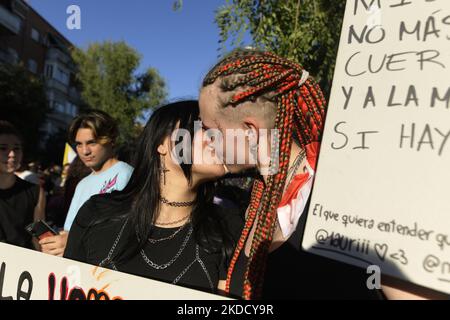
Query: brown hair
x=103, y=126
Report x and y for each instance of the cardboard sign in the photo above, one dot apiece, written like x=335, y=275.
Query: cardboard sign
x=382, y=190
x=30, y=275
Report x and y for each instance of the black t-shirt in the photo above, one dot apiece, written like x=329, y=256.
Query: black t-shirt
x=17, y=206
x=295, y=274
x=178, y=260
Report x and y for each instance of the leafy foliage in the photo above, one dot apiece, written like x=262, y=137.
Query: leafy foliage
x=23, y=102
x=108, y=75
x=306, y=31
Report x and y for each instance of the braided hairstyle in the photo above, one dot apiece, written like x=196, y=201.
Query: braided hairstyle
x=300, y=113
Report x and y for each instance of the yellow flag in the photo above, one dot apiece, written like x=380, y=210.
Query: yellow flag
x=69, y=154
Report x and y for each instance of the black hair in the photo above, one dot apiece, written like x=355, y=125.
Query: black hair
x=141, y=195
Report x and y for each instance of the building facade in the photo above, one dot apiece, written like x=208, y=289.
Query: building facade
x=27, y=38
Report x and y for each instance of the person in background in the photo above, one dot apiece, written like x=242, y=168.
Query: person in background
x=59, y=203
x=64, y=174
x=55, y=174
x=29, y=173
x=21, y=202
x=77, y=172
x=94, y=136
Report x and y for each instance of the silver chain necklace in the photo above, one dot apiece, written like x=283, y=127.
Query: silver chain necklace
x=107, y=260
x=169, y=237
x=165, y=265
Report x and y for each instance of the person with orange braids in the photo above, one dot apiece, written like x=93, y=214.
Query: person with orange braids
x=252, y=90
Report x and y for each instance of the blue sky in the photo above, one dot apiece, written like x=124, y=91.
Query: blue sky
x=182, y=45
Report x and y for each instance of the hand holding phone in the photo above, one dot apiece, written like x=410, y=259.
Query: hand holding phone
x=40, y=230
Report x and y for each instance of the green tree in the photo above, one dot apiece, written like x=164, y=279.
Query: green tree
x=307, y=31
x=109, y=81
x=23, y=103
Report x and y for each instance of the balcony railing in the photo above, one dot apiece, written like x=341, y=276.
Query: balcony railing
x=54, y=54
x=55, y=84
x=9, y=20
x=6, y=57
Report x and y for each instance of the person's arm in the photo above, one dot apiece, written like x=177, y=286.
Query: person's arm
x=71, y=245
x=39, y=214
x=56, y=245
x=395, y=289
x=39, y=210
x=221, y=287
x=73, y=208
x=223, y=268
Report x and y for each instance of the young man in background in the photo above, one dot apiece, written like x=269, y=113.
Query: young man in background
x=94, y=135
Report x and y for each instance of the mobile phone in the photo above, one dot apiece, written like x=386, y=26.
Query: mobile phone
x=40, y=230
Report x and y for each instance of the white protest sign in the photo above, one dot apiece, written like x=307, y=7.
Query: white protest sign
x=30, y=275
x=381, y=195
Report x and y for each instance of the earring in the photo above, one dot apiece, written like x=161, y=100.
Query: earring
x=252, y=143
x=163, y=170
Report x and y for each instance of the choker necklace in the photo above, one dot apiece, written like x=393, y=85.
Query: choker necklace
x=177, y=204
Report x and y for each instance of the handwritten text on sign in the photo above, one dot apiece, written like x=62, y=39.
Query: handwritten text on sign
x=381, y=191
x=31, y=275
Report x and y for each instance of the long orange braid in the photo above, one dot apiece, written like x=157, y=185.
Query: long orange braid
x=300, y=110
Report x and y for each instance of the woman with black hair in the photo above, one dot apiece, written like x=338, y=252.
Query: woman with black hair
x=164, y=224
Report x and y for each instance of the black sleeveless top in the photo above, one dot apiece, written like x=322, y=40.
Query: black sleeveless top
x=292, y=273
x=17, y=206
x=175, y=257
